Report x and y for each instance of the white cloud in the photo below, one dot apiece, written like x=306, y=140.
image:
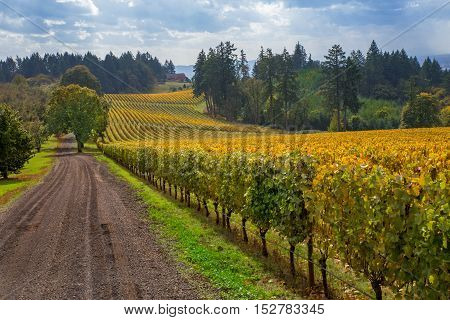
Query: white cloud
x=10, y=21
x=130, y=3
x=83, y=24
x=276, y=13
x=83, y=34
x=87, y=4
x=51, y=23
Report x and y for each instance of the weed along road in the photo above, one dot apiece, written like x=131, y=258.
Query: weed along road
x=79, y=235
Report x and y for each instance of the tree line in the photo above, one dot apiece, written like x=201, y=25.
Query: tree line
x=293, y=91
x=124, y=73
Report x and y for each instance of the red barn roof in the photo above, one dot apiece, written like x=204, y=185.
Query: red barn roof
x=178, y=77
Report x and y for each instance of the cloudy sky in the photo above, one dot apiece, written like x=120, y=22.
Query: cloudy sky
x=179, y=29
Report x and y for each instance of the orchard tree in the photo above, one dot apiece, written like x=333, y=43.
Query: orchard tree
x=82, y=76
x=16, y=147
x=38, y=132
x=78, y=110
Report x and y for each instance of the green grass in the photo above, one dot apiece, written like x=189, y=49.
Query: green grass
x=30, y=175
x=168, y=86
x=236, y=274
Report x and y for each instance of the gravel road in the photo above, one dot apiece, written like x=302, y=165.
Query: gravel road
x=79, y=235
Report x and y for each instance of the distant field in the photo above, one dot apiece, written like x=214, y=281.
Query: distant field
x=169, y=86
x=31, y=174
x=138, y=117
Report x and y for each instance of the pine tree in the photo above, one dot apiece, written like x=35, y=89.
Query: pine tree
x=373, y=69
x=244, y=70
x=299, y=57
x=352, y=79
x=286, y=88
x=269, y=81
x=258, y=69
x=169, y=67
x=334, y=67
x=198, y=80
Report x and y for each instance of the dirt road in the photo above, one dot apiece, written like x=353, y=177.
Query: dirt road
x=78, y=235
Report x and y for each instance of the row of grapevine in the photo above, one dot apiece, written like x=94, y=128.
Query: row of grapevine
x=140, y=114
x=387, y=219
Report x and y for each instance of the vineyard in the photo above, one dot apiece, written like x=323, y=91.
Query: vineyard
x=377, y=201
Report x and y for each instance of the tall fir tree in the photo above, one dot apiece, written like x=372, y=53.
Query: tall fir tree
x=299, y=57
x=244, y=70
x=351, y=85
x=286, y=88
x=373, y=69
x=334, y=67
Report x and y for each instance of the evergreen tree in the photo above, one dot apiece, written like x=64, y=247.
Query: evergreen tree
x=373, y=69
x=258, y=69
x=299, y=57
x=351, y=85
x=217, y=78
x=334, y=67
x=253, y=90
x=286, y=88
x=446, y=81
x=269, y=77
x=169, y=67
x=244, y=70
x=198, y=80
x=435, y=73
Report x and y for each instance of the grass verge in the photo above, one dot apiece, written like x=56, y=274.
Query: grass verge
x=32, y=173
x=236, y=274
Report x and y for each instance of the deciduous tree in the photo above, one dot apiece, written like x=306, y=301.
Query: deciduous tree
x=15, y=143
x=81, y=76
x=78, y=110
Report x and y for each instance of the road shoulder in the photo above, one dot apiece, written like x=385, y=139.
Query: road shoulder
x=32, y=174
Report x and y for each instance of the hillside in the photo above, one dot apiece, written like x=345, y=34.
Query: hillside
x=136, y=117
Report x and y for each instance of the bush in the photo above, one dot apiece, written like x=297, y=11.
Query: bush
x=15, y=143
x=422, y=112
x=445, y=116
x=379, y=114
x=355, y=122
